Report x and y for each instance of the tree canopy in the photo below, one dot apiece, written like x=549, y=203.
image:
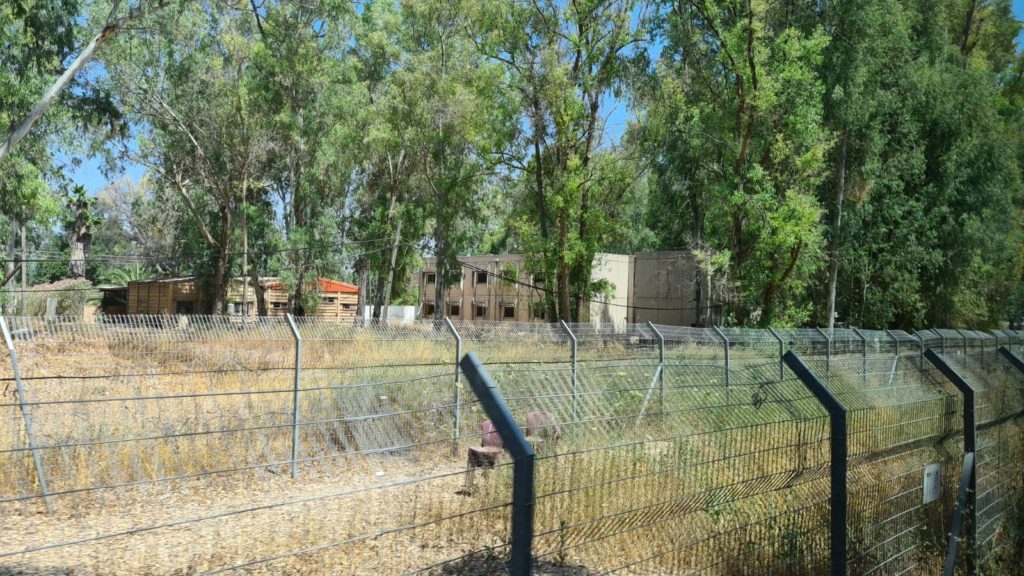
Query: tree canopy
x=849, y=162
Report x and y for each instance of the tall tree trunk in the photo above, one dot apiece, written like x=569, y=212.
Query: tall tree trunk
x=565, y=309
x=965, y=32
x=833, y=274
x=440, y=271
x=24, y=272
x=387, y=280
x=363, y=270
x=79, y=240
x=219, y=300
x=9, y=266
x=245, y=249
x=261, y=297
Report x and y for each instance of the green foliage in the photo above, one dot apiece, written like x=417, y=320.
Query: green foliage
x=71, y=297
x=776, y=142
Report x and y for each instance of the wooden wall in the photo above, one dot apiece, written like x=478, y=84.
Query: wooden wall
x=162, y=297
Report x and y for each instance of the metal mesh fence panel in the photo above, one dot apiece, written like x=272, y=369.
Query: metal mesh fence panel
x=999, y=405
x=169, y=446
x=901, y=421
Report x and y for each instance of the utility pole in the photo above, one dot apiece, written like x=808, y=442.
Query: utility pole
x=24, y=271
x=245, y=256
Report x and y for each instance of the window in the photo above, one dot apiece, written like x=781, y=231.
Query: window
x=454, y=309
x=429, y=277
x=481, y=277
x=329, y=299
x=348, y=306
x=481, y=311
x=428, y=310
x=508, y=312
x=279, y=305
x=184, y=307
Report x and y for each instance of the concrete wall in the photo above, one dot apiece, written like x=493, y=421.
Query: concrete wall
x=652, y=286
x=664, y=288
x=618, y=270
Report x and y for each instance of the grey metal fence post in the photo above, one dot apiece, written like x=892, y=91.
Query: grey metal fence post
x=575, y=344
x=828, y=350
x=895, y=341
x=964, y=338
x=920, y=347
x=725, y=343
x=520, y=561
x=970, y=446
x=661, y=366
x=782, y=352
x=295, y=394
x=1013, y=358
x=864, y=356
x=26, y=414
x=457, y=429
x=837, y=460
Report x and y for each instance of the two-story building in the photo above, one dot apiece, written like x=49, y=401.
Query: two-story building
x=503, y=288
x=662, y=287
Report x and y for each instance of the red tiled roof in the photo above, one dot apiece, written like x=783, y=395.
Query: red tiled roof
x=326, y=285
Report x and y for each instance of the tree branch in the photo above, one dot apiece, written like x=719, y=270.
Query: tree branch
x=114, y=25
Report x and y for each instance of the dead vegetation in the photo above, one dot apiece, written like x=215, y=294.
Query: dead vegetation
x=173, y=457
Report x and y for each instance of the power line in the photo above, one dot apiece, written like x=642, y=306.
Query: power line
x=134, y=258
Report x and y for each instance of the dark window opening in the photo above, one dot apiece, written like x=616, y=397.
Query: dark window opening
x=184, y=307
x=428, y=310
x=454, y=309
x=481, y=311
x=429, y=277
x=509, y=312
x=481, y=277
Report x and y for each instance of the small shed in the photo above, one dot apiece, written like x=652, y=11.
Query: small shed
x=165, y=296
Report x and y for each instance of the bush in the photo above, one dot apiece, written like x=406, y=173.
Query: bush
x=71, y=296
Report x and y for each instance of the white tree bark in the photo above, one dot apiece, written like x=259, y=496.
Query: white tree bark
x=114, y=25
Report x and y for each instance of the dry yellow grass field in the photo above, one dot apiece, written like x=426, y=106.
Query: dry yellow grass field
x=168, y=451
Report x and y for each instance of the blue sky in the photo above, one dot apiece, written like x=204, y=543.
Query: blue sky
x=617, y=113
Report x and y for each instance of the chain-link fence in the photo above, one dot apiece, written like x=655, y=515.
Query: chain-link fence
x=198, y=445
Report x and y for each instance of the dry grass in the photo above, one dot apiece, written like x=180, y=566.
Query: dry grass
x=714, y=479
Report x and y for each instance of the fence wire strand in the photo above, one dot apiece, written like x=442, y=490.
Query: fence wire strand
x=168, y=444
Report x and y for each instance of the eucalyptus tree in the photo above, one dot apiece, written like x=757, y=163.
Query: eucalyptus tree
x=459, y=118
x=184, y=87
x=47, y=36
x=735, y=122
x=566, y=61
x=310, y=104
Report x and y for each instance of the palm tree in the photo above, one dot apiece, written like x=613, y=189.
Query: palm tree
x=122, y=276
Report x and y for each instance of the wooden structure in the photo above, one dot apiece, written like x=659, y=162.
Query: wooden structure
x=165, y=296
x=114, y=301
x=338, y=300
